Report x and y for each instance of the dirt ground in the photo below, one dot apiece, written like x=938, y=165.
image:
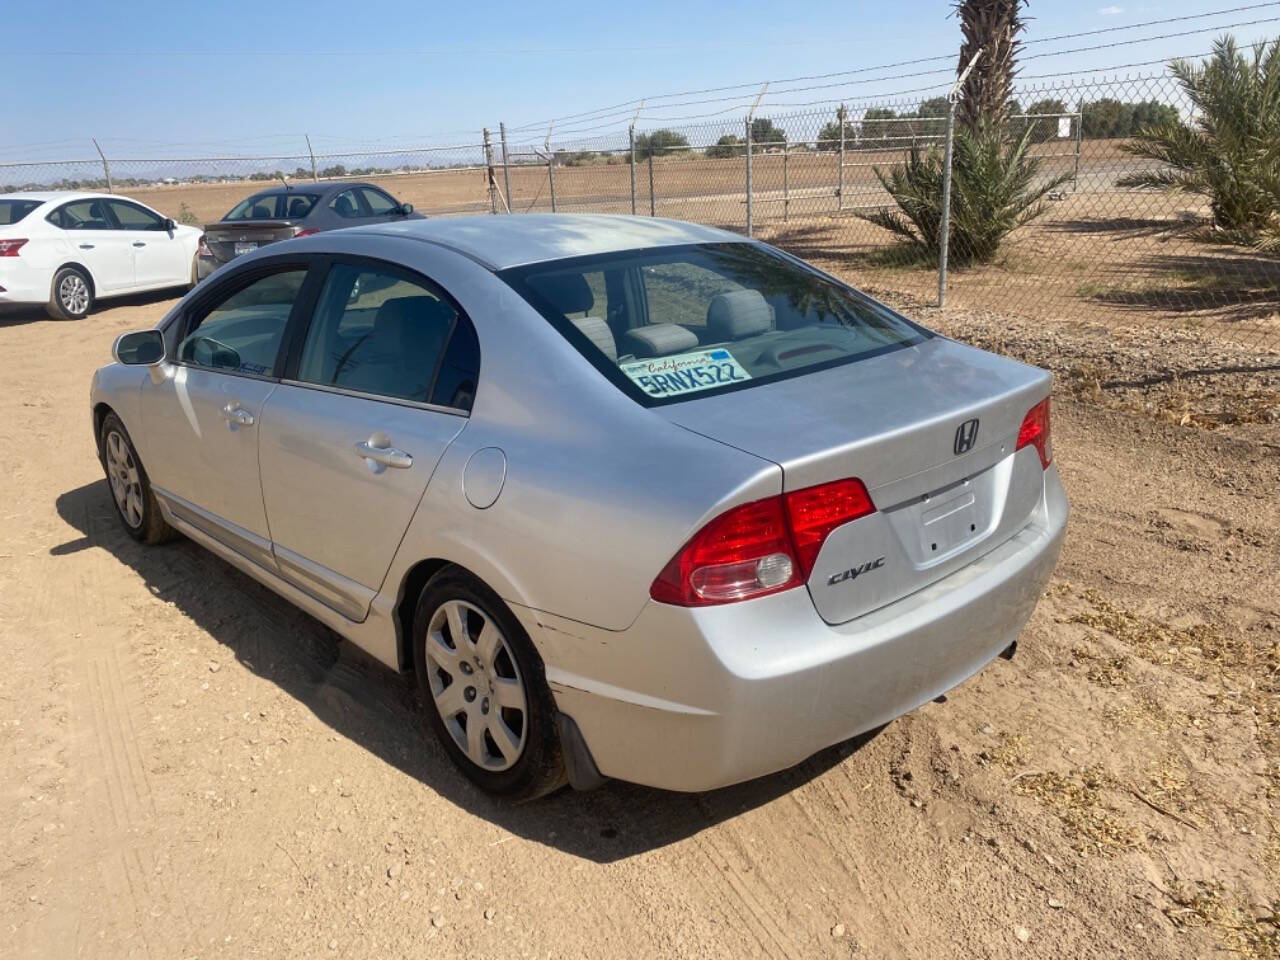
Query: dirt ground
x=192, y=768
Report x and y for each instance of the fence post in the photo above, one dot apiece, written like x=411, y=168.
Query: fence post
x=106, y=167
x=786, y=189
x=551, y=165
x=749, y=224
x=506, y=166
x=652, y=207
x=944, y=235
x=1075, y=177
x=315, y=177
x=488, y=164
x=631, y=133
x=840, y=115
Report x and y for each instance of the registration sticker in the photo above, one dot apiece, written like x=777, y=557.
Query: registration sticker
x=685, y=372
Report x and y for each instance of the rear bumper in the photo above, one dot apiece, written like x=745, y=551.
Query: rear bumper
x=24, y=284
x=697, y=699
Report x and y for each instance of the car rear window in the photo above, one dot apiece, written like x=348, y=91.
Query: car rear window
x=274, y=206
x=673, y=323
x=13, y=211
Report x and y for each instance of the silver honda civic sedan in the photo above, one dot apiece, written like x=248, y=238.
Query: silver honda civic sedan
x=630, y=498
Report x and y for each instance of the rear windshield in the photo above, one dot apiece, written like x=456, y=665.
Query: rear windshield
x=676, y=322
x=274, y=206
x=11, y=211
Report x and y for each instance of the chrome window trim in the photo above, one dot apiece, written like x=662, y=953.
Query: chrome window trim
x=382, y=398
x=223, y=370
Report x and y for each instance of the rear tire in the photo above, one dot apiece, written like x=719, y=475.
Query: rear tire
x=71, y=295
x=130, y=489
x=484, y=689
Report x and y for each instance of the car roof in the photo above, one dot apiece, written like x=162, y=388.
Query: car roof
x=47, y=196
x=307, y=186
x=499, y=242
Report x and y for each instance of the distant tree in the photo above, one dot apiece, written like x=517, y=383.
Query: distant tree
x=659, y=143
x=765, y=133
x=726, y=147
x=301, y=173
x=337, y=170
x=1042, y=118
x=933, y=107
x=1106, y=119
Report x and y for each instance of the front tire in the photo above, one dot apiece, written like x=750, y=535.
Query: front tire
x=484, y=689
x=130, y=489
x=71, y=295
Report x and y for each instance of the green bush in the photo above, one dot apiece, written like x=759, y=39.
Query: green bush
x=1230, y=152
x=995, y=188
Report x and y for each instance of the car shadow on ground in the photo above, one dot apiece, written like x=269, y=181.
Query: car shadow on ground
x=14, y=315
x=379, y=709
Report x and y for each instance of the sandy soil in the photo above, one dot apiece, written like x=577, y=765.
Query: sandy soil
x=194, y=769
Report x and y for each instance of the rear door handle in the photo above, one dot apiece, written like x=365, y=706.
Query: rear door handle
x=387, y=456
x=139, y=243
x=234, y=413
x=86, y=246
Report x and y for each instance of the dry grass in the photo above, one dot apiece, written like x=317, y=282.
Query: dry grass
x=1076, y=798
x=1245, y=930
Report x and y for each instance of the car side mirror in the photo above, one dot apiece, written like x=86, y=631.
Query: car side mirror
x=406, y=209
x=142, y=348
x=169, y=225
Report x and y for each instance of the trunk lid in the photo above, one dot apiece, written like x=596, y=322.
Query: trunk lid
x=946, y=491
x=227, y=239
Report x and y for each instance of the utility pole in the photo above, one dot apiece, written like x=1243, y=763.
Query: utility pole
x=750, y=116
x=106, y=167
x=631, y=135
x=315, y=177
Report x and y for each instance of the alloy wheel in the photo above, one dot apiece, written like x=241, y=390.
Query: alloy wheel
x=126, y=485
x=73, y=294
x=476, y=685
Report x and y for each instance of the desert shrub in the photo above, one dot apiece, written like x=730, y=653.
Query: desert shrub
x=1229, y=152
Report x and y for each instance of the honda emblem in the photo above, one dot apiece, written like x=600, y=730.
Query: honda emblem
x=966, y=437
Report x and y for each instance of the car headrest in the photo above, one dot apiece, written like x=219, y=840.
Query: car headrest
x=298, y=207
x=412, y=325
x=742, y=313
x=567, y=292
x=659, y=340
x=598, y=332
x=344, y=207
x=260, y=211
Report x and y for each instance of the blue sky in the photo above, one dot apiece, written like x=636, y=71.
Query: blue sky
x=180, y=79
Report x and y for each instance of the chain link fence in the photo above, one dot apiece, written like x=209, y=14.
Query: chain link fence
x=1122, y=262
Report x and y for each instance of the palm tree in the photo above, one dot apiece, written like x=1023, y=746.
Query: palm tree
x=1230, y=151
x=995, y=189
x=991, y=26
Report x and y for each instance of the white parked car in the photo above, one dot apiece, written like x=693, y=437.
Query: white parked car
x=69, y=249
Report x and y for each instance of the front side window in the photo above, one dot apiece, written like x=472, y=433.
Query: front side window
x=674, y=322
x=379, y=332
x=379, y=203
x=347, y=204
x=242, y=333
x=82, y=215
x=14, y=211
x=132, y=217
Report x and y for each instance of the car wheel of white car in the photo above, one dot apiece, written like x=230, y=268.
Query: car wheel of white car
x=484, y=688
x=130, y=488
x=72, y=295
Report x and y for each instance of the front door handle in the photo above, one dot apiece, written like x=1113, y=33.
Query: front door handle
x=234, y=413
x=139, y=243
x=86, y=246
x=387, y=456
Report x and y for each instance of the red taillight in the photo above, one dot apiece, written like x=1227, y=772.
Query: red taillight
x=308, y=231
x=203, y=249
x=761, y=547
x=815, y=511
x=10, y=248
x=1035, y=432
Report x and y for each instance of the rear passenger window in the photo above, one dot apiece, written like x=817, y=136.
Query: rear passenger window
x=242, y=333
x=378, y=332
